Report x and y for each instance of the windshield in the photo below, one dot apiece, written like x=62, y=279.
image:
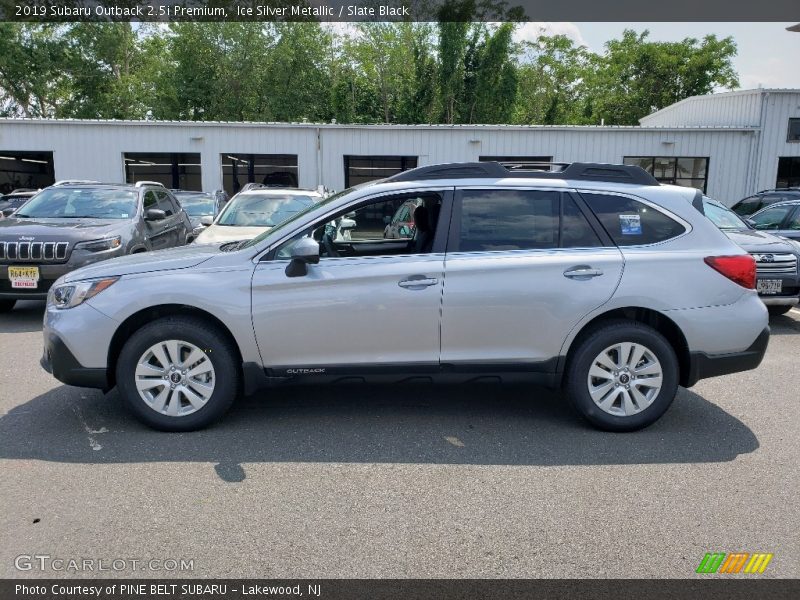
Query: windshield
x=81, y=203
x=263, y=210
x=196, y=205
x=723, y=217
x=297, y=215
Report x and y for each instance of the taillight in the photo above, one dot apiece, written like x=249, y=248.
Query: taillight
x=740, y=269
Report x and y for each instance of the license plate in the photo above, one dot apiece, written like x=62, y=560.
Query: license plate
x=24, y=277
x=769, y=286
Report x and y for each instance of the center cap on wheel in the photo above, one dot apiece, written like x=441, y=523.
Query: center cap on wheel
x=175, y=377
x=624, y=378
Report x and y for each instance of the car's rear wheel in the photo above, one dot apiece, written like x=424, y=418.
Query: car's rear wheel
x=178, y=373
x=622, y=376
x=7, y=305
x=776, y=311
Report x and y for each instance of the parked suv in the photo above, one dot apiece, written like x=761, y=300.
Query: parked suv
x=759, y=201
x=69, y=225
x=11, y=202
x=595, y=278
x=776, y=258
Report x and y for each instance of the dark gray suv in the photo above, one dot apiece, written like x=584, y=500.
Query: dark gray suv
x=71, y=225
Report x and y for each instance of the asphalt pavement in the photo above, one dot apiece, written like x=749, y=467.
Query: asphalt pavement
x=395, y=481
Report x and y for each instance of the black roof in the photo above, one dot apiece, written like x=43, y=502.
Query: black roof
x=496, y=170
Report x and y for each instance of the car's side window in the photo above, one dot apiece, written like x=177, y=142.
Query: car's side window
x=150, y=200
x=771, y=218
x=493, y=220
x=747, y=206
x=369, y=229
x=794, y=220
x=575, y=229
x=630, y=222
x=165, y=204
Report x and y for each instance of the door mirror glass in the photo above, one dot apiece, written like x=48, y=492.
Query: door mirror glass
x=155, y=214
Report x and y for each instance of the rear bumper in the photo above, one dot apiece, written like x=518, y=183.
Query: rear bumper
x=703, y=366
x=62, y=364
x=779, y=300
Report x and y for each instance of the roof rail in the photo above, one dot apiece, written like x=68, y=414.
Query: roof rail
x=496, y=170
x=786, y=189
x=73, y=181
x=139, y=184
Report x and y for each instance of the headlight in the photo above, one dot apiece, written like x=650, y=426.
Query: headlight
x=100, y=245
x=69, y=295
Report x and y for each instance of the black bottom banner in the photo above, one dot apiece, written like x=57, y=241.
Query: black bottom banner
x=401, y=589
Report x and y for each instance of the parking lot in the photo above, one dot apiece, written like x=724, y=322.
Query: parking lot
x=461, y=481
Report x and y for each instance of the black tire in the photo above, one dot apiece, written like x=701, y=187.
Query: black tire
x=776, y=311
x=7, y=305
x=591, y=345
x=218, y=349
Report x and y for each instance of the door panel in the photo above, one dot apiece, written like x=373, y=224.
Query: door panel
x=349, y=311
x=519, y=306
x=514, y=287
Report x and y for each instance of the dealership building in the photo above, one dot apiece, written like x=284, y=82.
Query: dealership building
x=728, y=145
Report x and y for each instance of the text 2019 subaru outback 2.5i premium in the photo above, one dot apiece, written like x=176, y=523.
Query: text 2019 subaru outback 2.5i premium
x=73, y=224
x=595, y=278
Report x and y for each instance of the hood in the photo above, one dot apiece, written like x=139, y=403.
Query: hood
x=182, y=257
x=217, y=234
x=59, y=230
x=753, y=240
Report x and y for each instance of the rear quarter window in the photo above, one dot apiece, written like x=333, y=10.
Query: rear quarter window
x=630, y=222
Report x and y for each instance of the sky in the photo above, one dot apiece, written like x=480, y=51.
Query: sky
x=768, y=54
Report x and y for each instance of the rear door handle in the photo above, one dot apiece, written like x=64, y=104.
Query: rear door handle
x=417, y=282
x=582, y=272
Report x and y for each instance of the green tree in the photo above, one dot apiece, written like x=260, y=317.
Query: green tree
x=637, y=76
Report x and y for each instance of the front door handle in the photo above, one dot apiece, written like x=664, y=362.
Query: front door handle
x=582, y=272
x=417, y=282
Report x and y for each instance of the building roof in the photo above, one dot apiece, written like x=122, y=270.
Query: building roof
x=387, y=126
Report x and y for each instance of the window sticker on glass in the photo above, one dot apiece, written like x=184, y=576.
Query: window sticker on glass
x=630, y=224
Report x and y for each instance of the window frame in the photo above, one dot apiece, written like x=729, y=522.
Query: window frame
x=454, y=235
x=673, y=180
x=440, y=236
x=789, y=138
x=687, y=227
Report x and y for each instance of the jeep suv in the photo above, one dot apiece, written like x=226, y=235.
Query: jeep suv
x=72, y=224
x=593, y=278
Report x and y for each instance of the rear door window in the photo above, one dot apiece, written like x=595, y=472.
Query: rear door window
x=630, y=222
x=501, y=220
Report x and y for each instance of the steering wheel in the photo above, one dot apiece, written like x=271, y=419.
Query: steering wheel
x=330, y=249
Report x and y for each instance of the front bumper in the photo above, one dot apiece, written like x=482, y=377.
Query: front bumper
x=779, y=300
x=703, y=366
x=62, y=364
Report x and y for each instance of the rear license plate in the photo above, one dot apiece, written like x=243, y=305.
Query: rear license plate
x=769, y=286
x=24, y=277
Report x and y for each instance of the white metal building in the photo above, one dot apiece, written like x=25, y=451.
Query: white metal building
x=729, y=144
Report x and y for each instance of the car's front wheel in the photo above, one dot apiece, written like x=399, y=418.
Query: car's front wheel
x=623, y=376
x=178, y=373
x=7, y=305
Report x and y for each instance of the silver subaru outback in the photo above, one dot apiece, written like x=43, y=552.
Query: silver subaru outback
x=592, y=278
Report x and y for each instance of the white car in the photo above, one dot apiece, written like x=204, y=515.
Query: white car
x=254, y=211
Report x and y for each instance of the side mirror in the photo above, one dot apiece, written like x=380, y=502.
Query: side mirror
x=305, y=252
x=155, y=214
x=387, y=219
x=346, y=224
x=206, y=220
x=751, y=223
